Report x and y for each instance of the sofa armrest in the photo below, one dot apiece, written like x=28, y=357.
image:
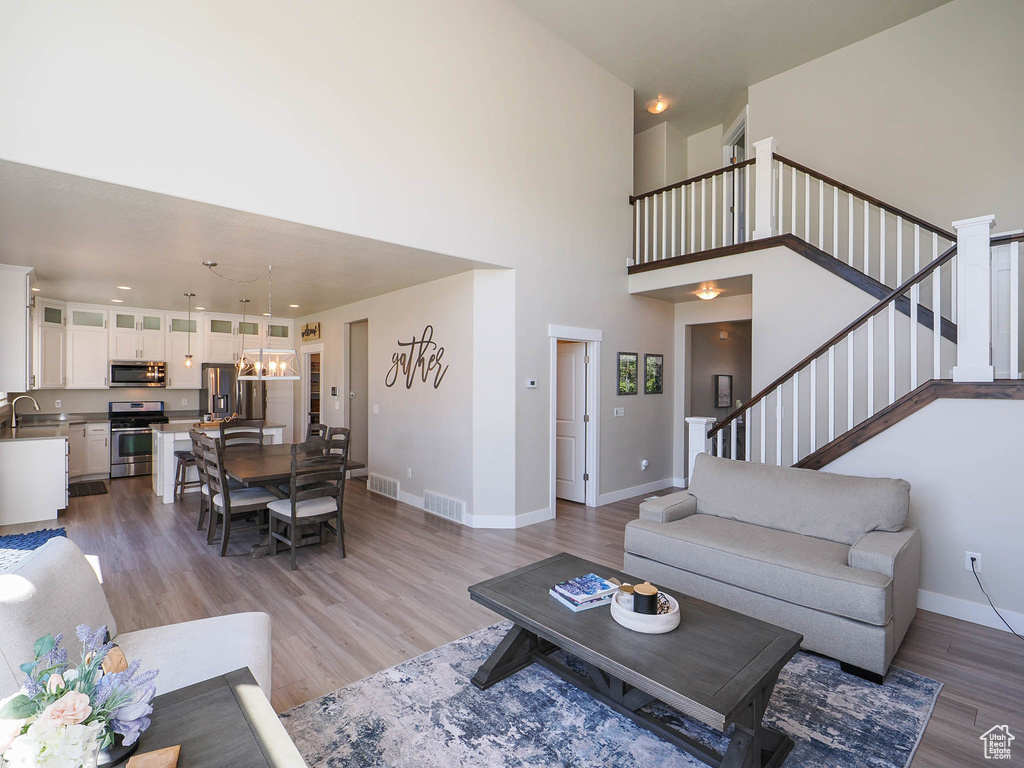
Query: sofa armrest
x=674, y=506
x=898, y=556
x=878, y=551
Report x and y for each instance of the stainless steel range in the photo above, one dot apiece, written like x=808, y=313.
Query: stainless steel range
x=131, y=436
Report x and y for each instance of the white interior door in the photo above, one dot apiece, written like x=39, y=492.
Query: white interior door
x=570, y=421
x=359, y=385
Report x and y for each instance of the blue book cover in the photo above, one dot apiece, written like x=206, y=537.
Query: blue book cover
x=576, y=608
x=585, y=588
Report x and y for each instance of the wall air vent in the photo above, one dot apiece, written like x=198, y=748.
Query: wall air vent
x=385, y=486
x=444, y=506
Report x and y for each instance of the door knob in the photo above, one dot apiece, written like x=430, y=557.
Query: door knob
x=351, y=395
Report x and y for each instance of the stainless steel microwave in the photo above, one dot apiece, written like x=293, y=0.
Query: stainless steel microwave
x=137, y=373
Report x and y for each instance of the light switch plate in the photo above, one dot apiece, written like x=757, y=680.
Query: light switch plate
x=376, y=408
x=58, y=403
x=619, y=412
x=531, y=383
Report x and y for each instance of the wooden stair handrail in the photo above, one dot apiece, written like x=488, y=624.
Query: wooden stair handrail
x=684, y=182
x=893, y=295
x=869, y=198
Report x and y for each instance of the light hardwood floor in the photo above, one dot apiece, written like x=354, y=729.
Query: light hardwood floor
x=402, y=591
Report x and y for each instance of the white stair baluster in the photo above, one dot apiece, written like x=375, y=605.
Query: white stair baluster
x=792, y=203
x=779, y=216
x=665, y=246
x=821, y=214
x=735, y=186
x=1014, y=308
x=747, y=415
x=936, y=313
x=881, y=246
x=892, y=352
x=831, y=393
x=778, y=426
x=915, y=297
x=636, y=232
x=871, y=366
x=899, y=250
x=813, y=444
x=647, y=229
x=714, y=214
x=850, y=216
x=849, y=380
x=693, y=219
x=746, y=211
x=672, y=244
x=807, y=207
x=733, y=451
x=703, y=216
x=835, y=222
x=796, y=417
x=764, y=431
x=867, y=237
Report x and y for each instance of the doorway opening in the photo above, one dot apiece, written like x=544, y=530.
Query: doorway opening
x=734, y=150
x=575, y=426
x=358, y=395
x=310, y=411
x=718, y=371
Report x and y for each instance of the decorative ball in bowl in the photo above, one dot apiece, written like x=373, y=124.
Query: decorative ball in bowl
x=658, y=624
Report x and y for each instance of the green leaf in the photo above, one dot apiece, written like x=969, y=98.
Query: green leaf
x=28, y=666
x=18, y=708
x=43, y=646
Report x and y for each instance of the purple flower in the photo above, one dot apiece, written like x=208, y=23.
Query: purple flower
x=132, y=717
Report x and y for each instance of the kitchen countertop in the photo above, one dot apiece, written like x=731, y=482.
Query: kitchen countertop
x=182, y=427
x=35, y=432
x=47, y=426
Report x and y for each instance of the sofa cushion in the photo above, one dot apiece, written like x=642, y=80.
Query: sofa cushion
x=799, y=569
x=51, y=590
x=838, y=508
x=193, y=651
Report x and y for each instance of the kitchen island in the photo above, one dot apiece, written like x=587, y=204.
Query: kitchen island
x=173, y=436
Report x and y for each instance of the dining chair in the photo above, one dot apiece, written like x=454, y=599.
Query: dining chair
x=338, y=440
x=316, y=430
x=316, y=497
x=204, y=495
x=241, y=432
x=227, y=504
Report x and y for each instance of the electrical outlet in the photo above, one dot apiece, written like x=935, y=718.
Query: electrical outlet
x=58, y=403
x=184, y=401
x=376, y=408
x=644, y=465
x=619, y=412
x=967, y=561
x=408, y=473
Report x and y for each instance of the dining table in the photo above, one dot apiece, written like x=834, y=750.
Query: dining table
x=267, y=466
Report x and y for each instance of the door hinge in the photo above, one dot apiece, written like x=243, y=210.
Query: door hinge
x=586, y=359
x=586, y=418
x=586, y=477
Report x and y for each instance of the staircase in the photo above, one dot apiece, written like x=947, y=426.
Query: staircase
x=899, y=355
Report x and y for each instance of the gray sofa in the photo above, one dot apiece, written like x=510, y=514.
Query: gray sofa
x=825, y=555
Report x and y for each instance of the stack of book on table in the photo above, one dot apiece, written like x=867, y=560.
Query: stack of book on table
x=583, y=592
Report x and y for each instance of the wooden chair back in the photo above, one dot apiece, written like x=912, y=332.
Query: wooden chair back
x=339, y=440
x=316, y=472
x=197, y=451
x=316, y=430
x=241, y=432
x=216, y=475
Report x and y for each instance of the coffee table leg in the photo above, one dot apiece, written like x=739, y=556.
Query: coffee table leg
x=754, y=745
x=513, y=653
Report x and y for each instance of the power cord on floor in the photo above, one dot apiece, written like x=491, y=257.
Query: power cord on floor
x=977, y=578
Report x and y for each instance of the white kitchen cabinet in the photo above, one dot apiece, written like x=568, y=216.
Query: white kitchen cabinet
x=228, y=335
x=49, y=348
x=97, y=449
x=76, y=450
x=280, y=407
x=88, y=365
x=179, y=344
x=279, y=334
x=15, y=316
x=136, y=334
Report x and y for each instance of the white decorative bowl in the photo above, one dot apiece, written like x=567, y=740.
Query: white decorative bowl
x=623, y=613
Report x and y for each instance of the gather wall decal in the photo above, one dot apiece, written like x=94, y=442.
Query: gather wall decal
x=421, y=357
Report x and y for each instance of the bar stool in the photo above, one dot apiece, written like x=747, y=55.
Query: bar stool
x=184, y=460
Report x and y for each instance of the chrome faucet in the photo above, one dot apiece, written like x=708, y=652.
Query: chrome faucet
x=14, y=412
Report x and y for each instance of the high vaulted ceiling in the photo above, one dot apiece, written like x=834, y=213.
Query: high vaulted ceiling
x=703, y=54
x=86, y=237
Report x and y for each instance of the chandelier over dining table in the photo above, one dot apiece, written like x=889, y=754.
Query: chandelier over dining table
x=263, y=363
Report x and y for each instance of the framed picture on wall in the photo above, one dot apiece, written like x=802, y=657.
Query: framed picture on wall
x=654, y=368
x=628, y=362
x=723, y=390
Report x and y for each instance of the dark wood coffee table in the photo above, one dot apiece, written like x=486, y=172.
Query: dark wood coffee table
x=718, y=666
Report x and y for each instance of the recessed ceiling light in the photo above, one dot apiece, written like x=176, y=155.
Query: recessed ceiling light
x=124, y=287
x=198, y=307
x=37, y=289
x=294, y=306
x=657, y=106
x=266, y=314
x=118, y=301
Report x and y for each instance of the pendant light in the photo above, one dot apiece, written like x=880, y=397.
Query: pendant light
x=188, y=361
x=264, y=364
x=241, y=328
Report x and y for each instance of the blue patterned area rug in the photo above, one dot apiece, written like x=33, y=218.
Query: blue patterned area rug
x=17, y=545
x=426, y=713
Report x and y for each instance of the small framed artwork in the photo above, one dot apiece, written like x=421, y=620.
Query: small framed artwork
x=654, y=368
x=723, y=390
x=628, y=362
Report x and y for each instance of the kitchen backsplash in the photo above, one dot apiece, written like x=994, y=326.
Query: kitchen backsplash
x=96, y=400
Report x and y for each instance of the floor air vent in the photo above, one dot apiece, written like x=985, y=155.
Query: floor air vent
x=385, y=486
x=443, y=506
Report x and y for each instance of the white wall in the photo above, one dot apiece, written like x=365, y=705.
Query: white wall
x=704, y=151
x=659, y=158
x=925, y=115
x=456, y=126
x=964, y=497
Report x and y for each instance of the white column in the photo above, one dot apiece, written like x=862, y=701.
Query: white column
x=974, y=300
x=765, y=221
x=697, y=439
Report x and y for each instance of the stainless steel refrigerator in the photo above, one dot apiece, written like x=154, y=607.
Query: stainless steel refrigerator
x=223, y=394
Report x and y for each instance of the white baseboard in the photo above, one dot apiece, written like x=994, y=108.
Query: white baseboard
x=411, y=499
x=636, y=490
x=508, y=522
x=976, y=613
x=359, y=473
